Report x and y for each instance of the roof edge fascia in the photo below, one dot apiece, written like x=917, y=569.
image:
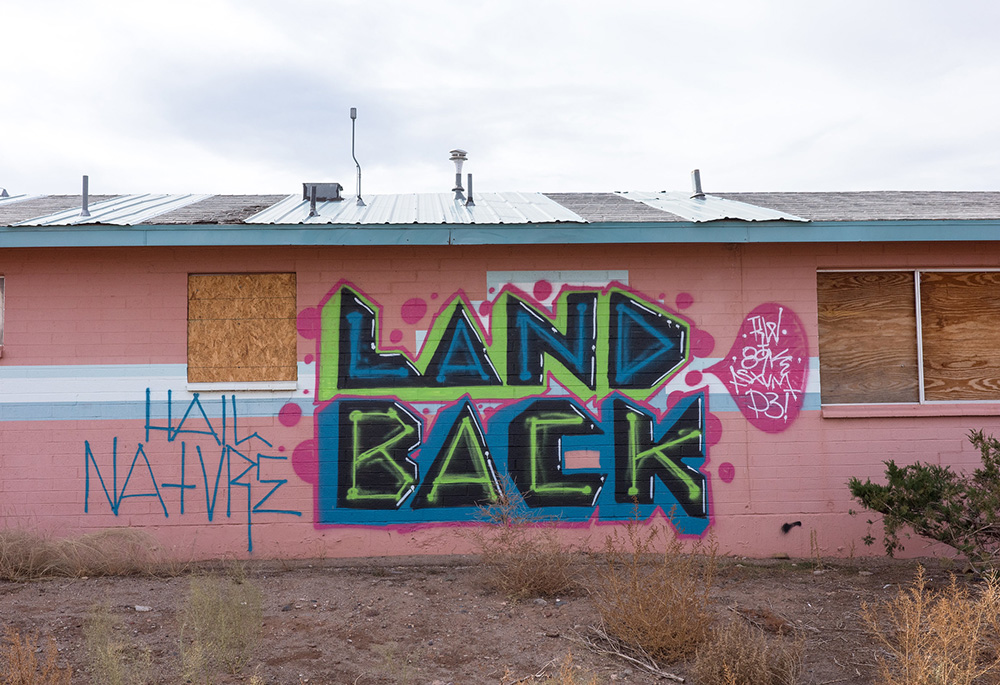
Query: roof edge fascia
x=679, y=232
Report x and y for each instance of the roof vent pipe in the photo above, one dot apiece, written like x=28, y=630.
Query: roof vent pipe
x=469, y=202
x=696, y=182
x=354, y=117
x=312, y=202
x=3, y=192
x=84, y=211
x=458, y=157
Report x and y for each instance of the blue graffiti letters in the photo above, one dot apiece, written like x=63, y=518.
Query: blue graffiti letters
x=375, y=467
x=220, y=450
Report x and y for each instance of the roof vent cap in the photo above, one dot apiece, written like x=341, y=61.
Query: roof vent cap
x=459, y=157
x=325, y=192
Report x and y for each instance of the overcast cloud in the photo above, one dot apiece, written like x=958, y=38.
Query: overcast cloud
x=231, y=96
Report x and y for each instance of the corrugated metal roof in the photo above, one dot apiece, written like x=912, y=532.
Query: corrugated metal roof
x=422, y=208
x=709, y=208
x=11, y=199
x=127, y=210
x=31, y=210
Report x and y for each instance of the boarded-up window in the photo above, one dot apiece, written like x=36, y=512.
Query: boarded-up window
x=241, y=328
x=961, y=322
x=867, y=337
x=908, y=336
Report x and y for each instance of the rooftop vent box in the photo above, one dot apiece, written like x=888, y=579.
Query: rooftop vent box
x=325, y=192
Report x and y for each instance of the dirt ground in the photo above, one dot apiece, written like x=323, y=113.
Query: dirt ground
x=432, y=620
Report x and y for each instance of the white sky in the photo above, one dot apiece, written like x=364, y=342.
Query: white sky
x=253, y=96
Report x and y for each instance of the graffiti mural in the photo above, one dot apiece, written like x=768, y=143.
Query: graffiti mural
x=210, y=456
x=584, y=402
x=553, y=398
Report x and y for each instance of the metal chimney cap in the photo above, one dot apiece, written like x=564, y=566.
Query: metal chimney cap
x=457, y=155
x=325, y=192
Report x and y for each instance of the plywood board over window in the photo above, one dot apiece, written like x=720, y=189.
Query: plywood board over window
x=241, y=328
x=961, y=322
x=867, y=337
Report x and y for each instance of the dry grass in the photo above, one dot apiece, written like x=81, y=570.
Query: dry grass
x=221, y=625
x=568, y=674
x=655, y=603
x=572, y=675
x=521, y=553
x=740, y=654
x=26, y=555
x=112, y=659
x=949, y=637
x=20, y=663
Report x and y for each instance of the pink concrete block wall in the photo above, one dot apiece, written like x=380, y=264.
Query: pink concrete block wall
x=111, y=315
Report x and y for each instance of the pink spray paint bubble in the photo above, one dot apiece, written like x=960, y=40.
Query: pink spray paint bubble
x=308, y=323
x=290, y=414
x=305, y=461
x=413, y=310
x=767, y=368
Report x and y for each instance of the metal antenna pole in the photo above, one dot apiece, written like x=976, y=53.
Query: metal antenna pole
x=354, y=117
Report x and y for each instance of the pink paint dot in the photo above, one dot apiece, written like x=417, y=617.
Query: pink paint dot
x=305, y=392
x=434, y=296
x=309, y=359
x=485, y=308
x=693, y=378
x=727, y=472
x=413, y=310
x=305, y=461
x=396, y=336
x=713, y=429
x=290, y=414
x=492, y=290
x=702, y=343
x=542, y=290
x=281, y=448
x=684, y=300
x=308, y=323
x=662, y=296
x=427, y=411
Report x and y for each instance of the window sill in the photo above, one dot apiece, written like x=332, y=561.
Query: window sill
x=245, y=385
x=858, y=411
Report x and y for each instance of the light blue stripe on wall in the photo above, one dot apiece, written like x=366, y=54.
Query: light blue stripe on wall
x=118, y=392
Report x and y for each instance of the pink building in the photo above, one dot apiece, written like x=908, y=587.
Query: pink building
x=287, y=378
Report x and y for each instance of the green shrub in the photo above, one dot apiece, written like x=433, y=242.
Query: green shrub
x=959, y=510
